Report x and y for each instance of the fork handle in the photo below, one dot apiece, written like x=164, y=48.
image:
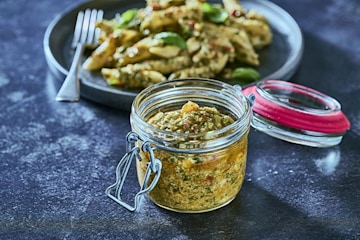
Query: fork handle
x=70, y=89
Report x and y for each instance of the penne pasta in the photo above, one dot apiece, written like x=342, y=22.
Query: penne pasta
x=207, y=71
x=164, y=66
x=131, y=79
x=169, y=39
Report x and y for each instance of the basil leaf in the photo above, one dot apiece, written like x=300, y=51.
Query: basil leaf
x=245, y=75
x=208, y=8
x=214, y=14
x=171, y=38
x=126, y=18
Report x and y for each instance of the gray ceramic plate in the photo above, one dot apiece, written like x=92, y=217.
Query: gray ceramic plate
x=278, y=61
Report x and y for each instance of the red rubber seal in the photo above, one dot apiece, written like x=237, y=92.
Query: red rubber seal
x=298, y=107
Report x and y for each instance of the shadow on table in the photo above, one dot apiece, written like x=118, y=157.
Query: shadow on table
x=254, y=214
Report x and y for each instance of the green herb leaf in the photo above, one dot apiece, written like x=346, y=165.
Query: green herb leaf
x=208, y=8
x=214, y=14
x=171, y=38
x=126, y=18
x=245, y=75
x=112, y=81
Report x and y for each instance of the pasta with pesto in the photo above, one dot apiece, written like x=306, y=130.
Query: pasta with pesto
x=170, y=39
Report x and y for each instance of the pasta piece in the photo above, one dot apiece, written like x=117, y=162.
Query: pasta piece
x=204, y=54
x=256, y=16
x=209, y=39
x=136, y=53
x=164, y=66
x=126, y=37
x=244, y=50
x=106, y=28
x=255, y=24
x=137, y=79
x=131, y=57
x=168, y=51
x=157, y=21
x=104, y=53
x=208, y=71
x=193, y=45
x=101, y=55
x=223, y=45
x=233, y=7
x=259, y=32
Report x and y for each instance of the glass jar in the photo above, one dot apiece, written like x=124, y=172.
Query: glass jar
x=188, y=172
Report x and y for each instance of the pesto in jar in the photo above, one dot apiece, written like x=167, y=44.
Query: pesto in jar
x=192, y=182
x=191, y=119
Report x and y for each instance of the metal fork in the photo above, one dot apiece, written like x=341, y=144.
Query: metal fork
x=85, y=35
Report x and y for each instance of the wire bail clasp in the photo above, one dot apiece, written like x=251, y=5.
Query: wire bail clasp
x=132, y=153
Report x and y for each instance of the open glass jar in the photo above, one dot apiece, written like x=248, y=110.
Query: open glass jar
x=187, y=172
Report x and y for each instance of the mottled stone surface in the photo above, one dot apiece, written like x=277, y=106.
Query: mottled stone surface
x=56, y=159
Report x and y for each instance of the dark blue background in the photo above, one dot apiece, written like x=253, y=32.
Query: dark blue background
x=56, y=159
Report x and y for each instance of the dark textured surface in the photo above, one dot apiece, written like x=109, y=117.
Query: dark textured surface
x=56, y=159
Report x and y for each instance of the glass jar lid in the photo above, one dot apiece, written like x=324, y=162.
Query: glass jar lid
x=297, y=114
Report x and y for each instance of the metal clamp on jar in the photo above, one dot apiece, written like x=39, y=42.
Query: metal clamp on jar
x=132, y=153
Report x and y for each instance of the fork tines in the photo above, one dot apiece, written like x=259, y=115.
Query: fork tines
x=87, y=20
